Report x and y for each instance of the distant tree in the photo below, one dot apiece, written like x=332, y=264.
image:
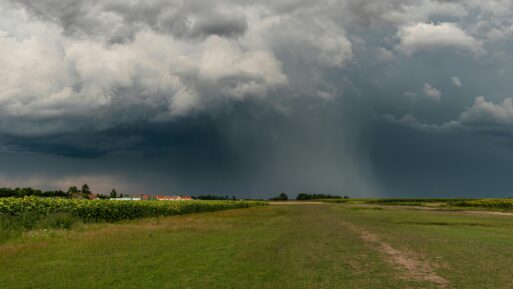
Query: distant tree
x=281, y=197
x=303, y=196
x=23, y=192
x=103, y=197
x=85, y=189
x=233, y=198
x=121, y=195
x=113, y=193
x=211, y=197
x=54, y=194
x=72, y=190
x=6, y=192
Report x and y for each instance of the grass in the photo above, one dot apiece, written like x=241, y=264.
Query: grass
x=17, y=215
x=277, y=246
x=12, y=227
x=472, y=251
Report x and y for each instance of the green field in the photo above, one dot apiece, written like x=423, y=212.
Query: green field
x=305, y=245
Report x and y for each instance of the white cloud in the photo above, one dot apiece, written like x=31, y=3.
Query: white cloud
x=384, y=55
x=485, y=112
x=115, y=62
x=420, y=11
x=483, y=116
x=430, y=36
x=401, y=12
x=456, y=81
x=155, y=62
x=50, y=76
x=494, y=7
x=431, y=92
x=500, y=33
x=413, y=122
x=320, y=43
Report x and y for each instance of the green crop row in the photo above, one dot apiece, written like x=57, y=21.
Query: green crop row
x=112, y=211
x=486, y=203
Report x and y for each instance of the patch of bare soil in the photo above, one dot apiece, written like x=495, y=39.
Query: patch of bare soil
x=413, y=267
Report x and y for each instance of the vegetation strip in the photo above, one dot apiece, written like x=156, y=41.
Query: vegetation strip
x=415, y=269
x=112, y=211
x=485, y=203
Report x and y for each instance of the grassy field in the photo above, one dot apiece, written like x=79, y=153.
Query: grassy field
x=279, y=246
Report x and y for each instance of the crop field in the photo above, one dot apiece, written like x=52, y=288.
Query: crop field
x=112, y=211
x=305, y=245
x=21, y=214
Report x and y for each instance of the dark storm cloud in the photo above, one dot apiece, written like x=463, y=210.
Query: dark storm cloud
x=251, y=150
x=353, y=97
x=222, y=26
x=416, y=164
x=118, y=21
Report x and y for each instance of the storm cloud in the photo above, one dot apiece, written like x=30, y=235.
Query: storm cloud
x=237, y=97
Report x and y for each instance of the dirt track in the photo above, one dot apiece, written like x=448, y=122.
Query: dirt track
x=412, y=266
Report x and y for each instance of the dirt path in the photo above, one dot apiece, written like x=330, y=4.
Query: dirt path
x=413, y=267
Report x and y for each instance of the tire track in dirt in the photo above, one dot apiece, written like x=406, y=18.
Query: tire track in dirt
x=413, y=267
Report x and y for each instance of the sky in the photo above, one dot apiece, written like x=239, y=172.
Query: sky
x=390, y=98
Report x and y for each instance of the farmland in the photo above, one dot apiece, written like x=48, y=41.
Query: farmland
x=20, y=214
x=112, y=211
x=308, y=245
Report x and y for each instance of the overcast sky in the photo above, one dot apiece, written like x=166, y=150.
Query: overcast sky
x=357, y=97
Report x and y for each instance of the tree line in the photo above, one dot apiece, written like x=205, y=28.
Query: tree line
x=24, y=192
x=304, y=197
x=83, y=192
x=214, y=197
x=73, y=191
